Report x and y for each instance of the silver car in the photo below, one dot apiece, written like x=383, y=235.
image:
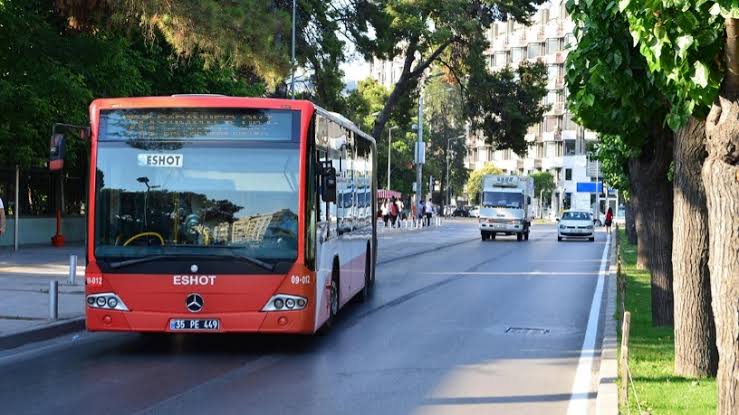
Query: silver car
x=575, y=224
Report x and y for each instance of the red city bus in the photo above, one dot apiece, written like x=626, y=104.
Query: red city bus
x=225, y=214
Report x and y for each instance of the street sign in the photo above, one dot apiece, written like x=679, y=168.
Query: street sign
x=589, y=187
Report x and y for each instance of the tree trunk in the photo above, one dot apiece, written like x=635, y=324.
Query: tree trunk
x=638, y=210
x=630, y=223
x=648, y=175
x=695, y=333
x=721, y=181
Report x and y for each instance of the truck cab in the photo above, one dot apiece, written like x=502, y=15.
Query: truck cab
x=505, y=207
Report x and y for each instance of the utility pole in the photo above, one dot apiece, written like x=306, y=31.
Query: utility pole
x=420, y=151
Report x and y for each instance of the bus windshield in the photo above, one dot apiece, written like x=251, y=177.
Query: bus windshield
x=502, y=200
x=197, y=182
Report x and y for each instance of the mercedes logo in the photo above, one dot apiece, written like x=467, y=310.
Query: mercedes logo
x=194, y=302
x=193, y=268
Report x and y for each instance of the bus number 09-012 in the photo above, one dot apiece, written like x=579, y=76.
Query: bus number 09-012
x=300, y=279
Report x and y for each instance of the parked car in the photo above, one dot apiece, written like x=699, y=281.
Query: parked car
x=475, y=211
x=461, y=212
x=575, y=224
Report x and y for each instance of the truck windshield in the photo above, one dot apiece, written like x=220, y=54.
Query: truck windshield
x=502, y=199
x=216, y=189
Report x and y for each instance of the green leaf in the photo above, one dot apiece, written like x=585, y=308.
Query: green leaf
x=683, y=43
x=701, y=74
x=715, y=10
x=617, y=59
x=589, y=99
x=623, y=4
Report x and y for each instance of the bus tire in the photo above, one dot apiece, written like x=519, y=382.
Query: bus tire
x=333, y=298
x=366, y=292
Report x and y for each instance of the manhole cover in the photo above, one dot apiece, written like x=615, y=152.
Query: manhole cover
x=526, y=330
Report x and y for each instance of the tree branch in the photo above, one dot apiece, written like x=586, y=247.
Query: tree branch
x=426, y=63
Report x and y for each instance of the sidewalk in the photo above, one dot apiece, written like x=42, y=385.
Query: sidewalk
x=24, y=287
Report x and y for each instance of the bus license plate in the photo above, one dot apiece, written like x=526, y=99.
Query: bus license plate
x=196, y=324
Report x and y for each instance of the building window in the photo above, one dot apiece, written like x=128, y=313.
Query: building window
x=570, y=147
x=551, y=124
x=517, y=54
x=501, y=59
x=568, y=123
x=535, y=50
x=553, y=46
x=568, y=174
x=567, y=202
x=553, y=72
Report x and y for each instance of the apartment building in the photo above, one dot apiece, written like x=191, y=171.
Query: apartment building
x=556, y=144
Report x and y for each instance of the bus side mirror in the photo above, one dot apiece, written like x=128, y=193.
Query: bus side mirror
x=557, y=219
x=328, y=184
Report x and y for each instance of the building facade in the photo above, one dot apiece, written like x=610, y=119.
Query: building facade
x=556, y=144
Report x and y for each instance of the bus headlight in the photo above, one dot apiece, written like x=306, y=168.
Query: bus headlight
x=285, y=302
x=106, y=301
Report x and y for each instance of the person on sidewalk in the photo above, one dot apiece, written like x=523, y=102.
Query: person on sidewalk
x=420, y=212
x=399, y=208
x=2, y=217
x=609, y=219
x=385, y=213
x=429, y=212
x=393, y=208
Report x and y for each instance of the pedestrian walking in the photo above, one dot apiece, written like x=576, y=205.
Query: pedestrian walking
x=393, y=208
x=609, y=219
x=420, y=212
x=385, y=212
x=2, y=217
x=429, y=212
x=399, y=206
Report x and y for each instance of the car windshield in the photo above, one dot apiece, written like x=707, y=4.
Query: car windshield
x=502, y=199
x=197, y=182
x=577, y=216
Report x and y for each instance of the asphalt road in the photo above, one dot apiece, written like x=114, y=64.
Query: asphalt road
x=473, y=328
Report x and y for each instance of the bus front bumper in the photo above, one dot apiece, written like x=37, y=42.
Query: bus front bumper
x=299, y=322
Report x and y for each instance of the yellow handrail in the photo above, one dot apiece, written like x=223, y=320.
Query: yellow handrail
x=142, y=234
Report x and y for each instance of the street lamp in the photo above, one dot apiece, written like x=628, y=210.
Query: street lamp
x=448, y=187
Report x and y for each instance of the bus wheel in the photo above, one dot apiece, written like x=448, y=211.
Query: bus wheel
x=333, y=305
x=364, y=295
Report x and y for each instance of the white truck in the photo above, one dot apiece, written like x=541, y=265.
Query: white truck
x=505, y=207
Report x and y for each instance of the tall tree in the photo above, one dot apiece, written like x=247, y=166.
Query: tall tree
x=693, y=45
x=606, y=71
x=445, y=123
x=474, y=183
x=422, y=33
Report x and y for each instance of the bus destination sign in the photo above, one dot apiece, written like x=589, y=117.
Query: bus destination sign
x=198, y=124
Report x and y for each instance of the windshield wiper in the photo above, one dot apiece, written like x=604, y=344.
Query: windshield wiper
x=251, y=260
x=135, y=261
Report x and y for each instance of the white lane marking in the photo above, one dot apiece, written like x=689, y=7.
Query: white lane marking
x=582, y=385
x=512, y=273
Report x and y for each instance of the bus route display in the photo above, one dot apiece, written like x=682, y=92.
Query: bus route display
x=198, y=124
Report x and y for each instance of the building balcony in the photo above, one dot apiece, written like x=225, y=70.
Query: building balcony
x=555, y=30
x=530, y=137
x=569, y=134
x=556, y=58
x=501, y=43
x=535, y=34
x=549, y=136
x=591, y=135
x=558, y=108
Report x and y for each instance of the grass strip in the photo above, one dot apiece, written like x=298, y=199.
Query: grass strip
x=652, y=353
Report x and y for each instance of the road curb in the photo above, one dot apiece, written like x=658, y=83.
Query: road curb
x=606, y=402
x=44, y=332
